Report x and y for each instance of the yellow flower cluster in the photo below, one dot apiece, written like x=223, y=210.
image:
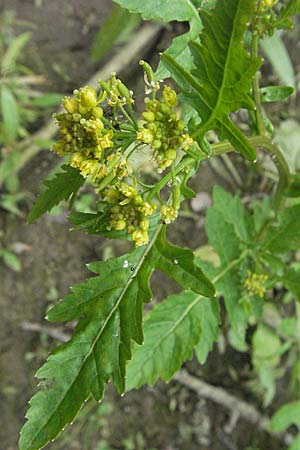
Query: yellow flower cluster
x=118, y=94
x=254, y=283
x=168, y=214
x=129, y=211
x=162, y=129
x=83, y=134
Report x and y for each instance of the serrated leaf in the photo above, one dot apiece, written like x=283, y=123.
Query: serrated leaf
x=286, y=416
x=233, y=212
x=111, y=307
x=59, y=188
x=223, y=234
x=13, y=52
x=285, y=235
x=224, y=71
x=172, y=330
x=209, y=328
x=166, y=11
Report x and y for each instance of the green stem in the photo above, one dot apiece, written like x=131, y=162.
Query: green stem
x=230, y=266
x=260, y=124
x=128, y=117
x=297, y=306
x=185, y=162
x=225, y=147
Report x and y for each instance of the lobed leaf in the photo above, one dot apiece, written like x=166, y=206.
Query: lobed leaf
x=172, y=330
x=60, y=188
x=110, y=308
x=167, y=11
x=223, y=72
x=224, y=231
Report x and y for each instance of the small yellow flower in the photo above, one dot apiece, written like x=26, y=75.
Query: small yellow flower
x=255, y=284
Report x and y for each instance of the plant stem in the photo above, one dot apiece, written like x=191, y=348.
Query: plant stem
x=185, y=162
x=260, y=124
x=225, y=147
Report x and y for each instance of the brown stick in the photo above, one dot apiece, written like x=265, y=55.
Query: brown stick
x=221, y=397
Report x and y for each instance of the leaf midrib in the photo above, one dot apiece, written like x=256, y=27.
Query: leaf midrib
x=113, y=310
x=228, y=58
x=176, y=324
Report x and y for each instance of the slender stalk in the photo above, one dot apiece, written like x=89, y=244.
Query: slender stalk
x=221, y=148
x=259, y=115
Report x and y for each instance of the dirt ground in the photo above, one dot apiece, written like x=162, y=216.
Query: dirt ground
x=166, y=417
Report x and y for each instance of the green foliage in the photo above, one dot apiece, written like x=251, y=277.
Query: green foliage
x=284, y=19
x=10, y=115
x=224, y=70
x=172, y=330
x=275, y=93
x=21, y=104
x=111, y=305
x=61, y=187
x=286, y=416
x=285, y=235
x=10, y=259
x=251, y=249
x=181, y=11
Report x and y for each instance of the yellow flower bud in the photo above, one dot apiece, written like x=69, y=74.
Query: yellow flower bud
x=169, y=96
x=70, y=105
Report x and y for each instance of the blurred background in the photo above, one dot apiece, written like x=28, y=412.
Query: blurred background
x=47, y=49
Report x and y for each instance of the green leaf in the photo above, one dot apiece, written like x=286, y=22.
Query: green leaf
x=209, y=325
x=110, y=31
x=9, y=59
x=286, y=12
x=270, y=94
x=285, y=235
x=287, y=415
x=278, y=56
x=60, y=188
x=291, y=281
x=288, y=327
x=172, y=330
x=223, y=231
x=233, y=212
x=111, y=307
x=10, y=114
x=181, y=11
x=11, y=260
x=224, y=70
